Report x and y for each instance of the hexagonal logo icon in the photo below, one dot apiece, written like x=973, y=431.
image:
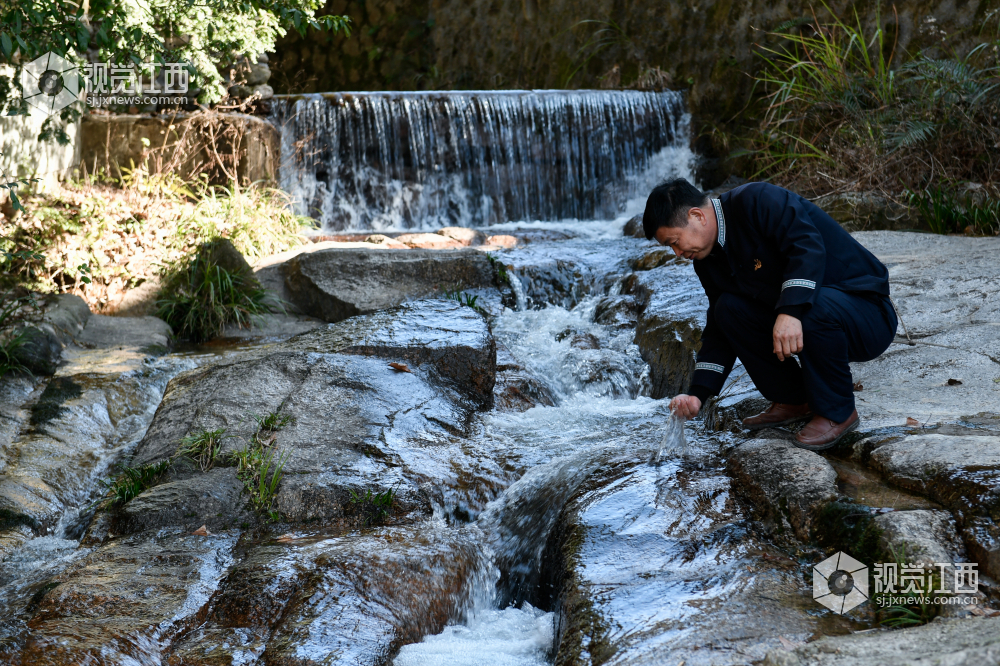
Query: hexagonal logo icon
x=840, y=583
x=50, y=83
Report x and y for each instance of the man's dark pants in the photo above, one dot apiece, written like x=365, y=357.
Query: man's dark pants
x=839, y=328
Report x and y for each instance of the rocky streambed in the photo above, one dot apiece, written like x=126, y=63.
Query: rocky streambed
x=504, y=492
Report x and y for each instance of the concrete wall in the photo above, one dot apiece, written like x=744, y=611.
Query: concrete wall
x=182, y=145
x=24, y=156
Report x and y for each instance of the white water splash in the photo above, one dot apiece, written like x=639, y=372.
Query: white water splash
x=673, y=443
x=508, y=637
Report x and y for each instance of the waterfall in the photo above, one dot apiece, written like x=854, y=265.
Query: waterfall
x=374, y=161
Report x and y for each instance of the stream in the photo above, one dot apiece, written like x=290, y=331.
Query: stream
x=594, y=525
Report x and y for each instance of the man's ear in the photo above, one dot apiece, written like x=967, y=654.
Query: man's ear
x=696, y=214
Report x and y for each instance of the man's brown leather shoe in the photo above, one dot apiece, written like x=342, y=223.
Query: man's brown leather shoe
x=822, y=433
x=777, y=414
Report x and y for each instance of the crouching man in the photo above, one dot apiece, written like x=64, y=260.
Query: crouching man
x=782, y=279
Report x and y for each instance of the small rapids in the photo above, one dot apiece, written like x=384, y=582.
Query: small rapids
x=509, y=637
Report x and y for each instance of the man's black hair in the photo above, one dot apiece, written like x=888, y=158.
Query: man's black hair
x=668, y=204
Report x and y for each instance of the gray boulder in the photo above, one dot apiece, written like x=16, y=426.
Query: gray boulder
x=450, y=337
x=335, y=284
x=924, y=536
x=353, y=417
x=63, y=317
x=148, y=333
x=633, y=228
x=212, y=499
x=782, y=484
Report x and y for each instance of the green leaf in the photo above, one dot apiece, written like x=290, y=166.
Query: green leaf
x=6, y=44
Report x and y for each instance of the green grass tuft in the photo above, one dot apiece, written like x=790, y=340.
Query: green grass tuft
x=468, y=300
x=897, y=616
x=131, y=482
x=272, y=422
x=947, y=213
x=203, y=447
x=200, y=298
x=260, y=469
x=374, y=507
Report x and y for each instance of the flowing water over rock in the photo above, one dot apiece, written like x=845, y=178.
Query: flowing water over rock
x=547, y=510
x=401, y=160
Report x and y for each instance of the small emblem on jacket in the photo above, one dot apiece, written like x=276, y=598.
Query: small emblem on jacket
x=756, y=264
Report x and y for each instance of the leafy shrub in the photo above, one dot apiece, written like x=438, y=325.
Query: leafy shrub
x=843, y=113
x=200, y=297
x=946, y=212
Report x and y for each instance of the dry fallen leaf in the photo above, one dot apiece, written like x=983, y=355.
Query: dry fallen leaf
x=910, y=421
x=954, y=382
x=399, y=367
x=202, y=531
x=787, y=644
x=858, y=386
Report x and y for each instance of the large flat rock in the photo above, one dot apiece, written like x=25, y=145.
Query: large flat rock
x=119, y=604
x=143, y=332
x=949, y=298
x=966, y=642
x=75, y=427
x=783, y=484
x=657, y=562
x=334, y=284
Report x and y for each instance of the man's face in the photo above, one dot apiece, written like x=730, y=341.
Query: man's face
x=693, y=241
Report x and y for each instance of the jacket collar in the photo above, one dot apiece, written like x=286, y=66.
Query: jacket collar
x=721, y=219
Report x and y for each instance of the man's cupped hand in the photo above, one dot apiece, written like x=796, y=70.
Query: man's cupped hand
x=787, y=336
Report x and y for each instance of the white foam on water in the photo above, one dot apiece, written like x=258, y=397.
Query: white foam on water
x=508, y=637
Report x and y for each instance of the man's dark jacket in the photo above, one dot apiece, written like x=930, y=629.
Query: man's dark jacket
x=779, y=249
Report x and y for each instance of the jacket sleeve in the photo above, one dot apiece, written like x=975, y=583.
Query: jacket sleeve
x=784, y=220
x=716, y=357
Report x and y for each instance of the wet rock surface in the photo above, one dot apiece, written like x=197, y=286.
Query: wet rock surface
x=961, y=473
x=640, y=542
x=122, y=601
x=668, y=332
x=62, y=317
x=450, y=337
x=953, y=642
x=554, y=487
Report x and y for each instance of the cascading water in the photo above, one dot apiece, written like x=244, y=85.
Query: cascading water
x=377, y=161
